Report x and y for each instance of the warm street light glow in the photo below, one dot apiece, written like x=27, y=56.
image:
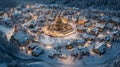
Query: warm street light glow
x=108, y=45
x=49, y=46
x=29, y=52
x=66, y=35
x=22, y=48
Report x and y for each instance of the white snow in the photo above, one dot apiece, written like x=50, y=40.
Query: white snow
x=93, y=60
x=8, y=31
x=3, y=65
x=51, y=40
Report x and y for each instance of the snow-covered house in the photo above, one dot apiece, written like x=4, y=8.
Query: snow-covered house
x=101, y=37
x=95, y=17
x=37, y=51
x=20, y=38
x=32, y=46
x=116, y=36
x=94, y=31
x=32, y=24
x=116, y=20
x=100, y=48
x=76, y=53
x=6, y=21
x=69, y=45
x=83, y=50
x=80, y=42
x=109, y=26
x=53, y=53
x=19, y=7
x=74, y=18
x=89, y=36
x=94, y=21
x=62, y=56
x=81, y=20
x=45, y=11
x=28, y=16
x=17, y=15
x=29, y=9
x=88, y=24
x=41, y=18
x=81, y=29
x=100, y=26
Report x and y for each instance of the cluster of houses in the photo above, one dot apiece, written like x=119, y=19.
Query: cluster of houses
x=25, y=43
x=93, y=26
x=116, y=36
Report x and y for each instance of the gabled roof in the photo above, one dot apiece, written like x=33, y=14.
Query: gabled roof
x=37, y=50
x=109, y=25
x=116, y=19
x=99, y=25
x=81, y=41
x=21, y=37
x=83, y=49
x=101, y=46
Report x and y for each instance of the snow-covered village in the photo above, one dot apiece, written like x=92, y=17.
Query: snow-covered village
x=52, y=35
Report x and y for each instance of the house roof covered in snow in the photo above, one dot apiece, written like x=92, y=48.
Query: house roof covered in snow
x=99, y=25
x=100, y=46
x=116, y=19
x=21, y=37
x=37, y=50
x=109, y=25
